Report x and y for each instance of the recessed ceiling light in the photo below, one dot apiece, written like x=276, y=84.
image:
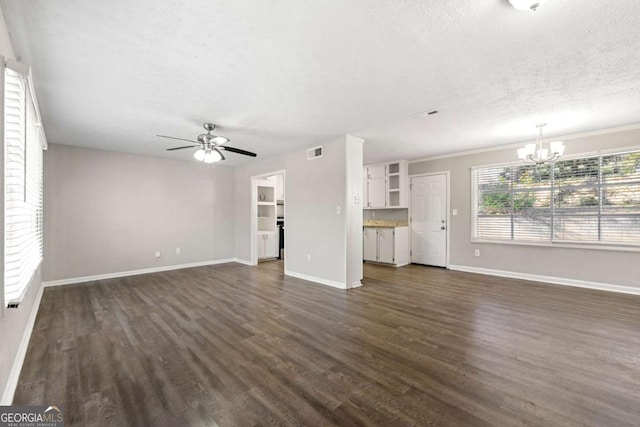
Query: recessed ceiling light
x=423, y=114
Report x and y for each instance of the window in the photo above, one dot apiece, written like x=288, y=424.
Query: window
x=23, y=208
x=585, y=200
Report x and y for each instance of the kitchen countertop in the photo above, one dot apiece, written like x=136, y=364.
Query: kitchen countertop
x=385, y=223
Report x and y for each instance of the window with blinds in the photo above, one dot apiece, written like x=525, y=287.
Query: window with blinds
x=23, y=208
x=585, y=200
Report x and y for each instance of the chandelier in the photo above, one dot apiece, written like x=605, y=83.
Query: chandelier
x=534, y=153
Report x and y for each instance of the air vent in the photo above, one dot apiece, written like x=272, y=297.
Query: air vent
x=423, y=114
x=314, y=153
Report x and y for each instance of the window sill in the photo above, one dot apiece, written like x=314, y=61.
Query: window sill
x=590, y=246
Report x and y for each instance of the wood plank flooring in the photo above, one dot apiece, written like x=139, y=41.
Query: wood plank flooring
x=232, y=345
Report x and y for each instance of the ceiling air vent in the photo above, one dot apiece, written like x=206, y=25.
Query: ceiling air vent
x=314, y=153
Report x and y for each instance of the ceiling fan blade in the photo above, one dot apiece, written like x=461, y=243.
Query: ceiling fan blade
x=181, y=148
x=237, y=150
x=179, y=139
x=219, y=152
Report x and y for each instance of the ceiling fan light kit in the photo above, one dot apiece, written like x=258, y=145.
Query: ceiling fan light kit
x=528, y=5
x=209, y=146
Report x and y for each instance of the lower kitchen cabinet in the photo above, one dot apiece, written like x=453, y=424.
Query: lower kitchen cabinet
x=389, y=245
x=267, y=244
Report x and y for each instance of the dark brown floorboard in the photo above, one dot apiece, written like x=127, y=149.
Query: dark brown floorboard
x=232, y=345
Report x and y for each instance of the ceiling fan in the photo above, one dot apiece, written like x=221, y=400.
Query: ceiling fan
x=210, y=146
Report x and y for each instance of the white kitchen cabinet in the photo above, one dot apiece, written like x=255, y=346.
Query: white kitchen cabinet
x=377, y=193
x=386, y=245
x=386, y=185
x=267, y=243
x=370, y=244
x=389, y=245
x=376, y=171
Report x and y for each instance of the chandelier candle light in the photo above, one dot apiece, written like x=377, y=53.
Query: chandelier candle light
x=534, y=153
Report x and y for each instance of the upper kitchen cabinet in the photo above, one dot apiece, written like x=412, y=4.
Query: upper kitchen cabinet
x=386, y=185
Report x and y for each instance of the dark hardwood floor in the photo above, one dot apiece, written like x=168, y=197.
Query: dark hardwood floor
x=232, y=345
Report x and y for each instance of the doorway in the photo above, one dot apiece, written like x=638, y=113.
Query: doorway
x=267, y=217
x=429, y=219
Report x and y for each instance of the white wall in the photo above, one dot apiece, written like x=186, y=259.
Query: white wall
x=108, y=212
x=314, y=189
x=14, y=322
x=599, y=266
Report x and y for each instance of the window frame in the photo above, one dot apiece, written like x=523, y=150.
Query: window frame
x=551, y=243
x=34, y=124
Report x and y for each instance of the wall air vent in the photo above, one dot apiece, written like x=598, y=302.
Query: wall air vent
x=314, y=153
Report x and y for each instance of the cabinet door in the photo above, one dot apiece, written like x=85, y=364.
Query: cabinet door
x=260, y=244
x=375, y=172
x=386, y=245
x=271, y=245
x=377, y=193
x=370, y=244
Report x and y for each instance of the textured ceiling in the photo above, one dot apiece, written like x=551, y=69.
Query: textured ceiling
x=278, y=74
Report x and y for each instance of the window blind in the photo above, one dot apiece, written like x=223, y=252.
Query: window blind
x=584, y=200
x=23, y=210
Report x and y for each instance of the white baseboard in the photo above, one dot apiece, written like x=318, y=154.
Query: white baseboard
x=242, y=261
x=315, y=279
x=83, y=279
x=356, y=285
x=549, y=279
x=18, y=361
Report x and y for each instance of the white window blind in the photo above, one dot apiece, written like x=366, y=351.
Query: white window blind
x=586, y=200
x=23, y=208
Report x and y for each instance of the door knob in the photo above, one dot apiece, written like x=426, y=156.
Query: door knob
x=443, y=227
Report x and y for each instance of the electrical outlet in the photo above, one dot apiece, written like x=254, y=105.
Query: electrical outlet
x=157, y=254
x=477, y=252
x=337, y=210
x=308, y=257
x=455, y=212
x=373, y=214
x=178, y=250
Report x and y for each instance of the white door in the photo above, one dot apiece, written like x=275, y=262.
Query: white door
x=370, y=244
x=429, y=220
x=377, y=189
x=386, y=243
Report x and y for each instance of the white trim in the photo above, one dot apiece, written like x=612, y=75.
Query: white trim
x=315, y=279
x=18, y=361
x=356, y=285
x=549, y=279
x=519, y=144
x=83, y=279
x=242, y=261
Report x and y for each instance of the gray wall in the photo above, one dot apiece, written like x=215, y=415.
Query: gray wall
x=108, y=212
x=601, y=266
x=314, y=188
x=13, y=321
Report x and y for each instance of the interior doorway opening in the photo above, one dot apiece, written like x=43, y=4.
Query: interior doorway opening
x=268, y=218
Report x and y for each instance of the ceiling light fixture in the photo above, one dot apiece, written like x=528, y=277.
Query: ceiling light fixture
x=525, y=4
x=207, y=156
x=534, y=153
